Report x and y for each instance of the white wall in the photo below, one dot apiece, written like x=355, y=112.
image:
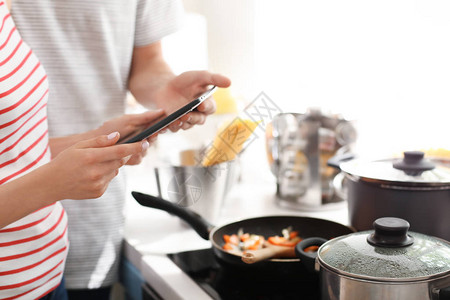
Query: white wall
x=231, y=40
x=385, y=63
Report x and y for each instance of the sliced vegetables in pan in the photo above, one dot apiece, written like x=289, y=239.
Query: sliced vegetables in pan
x=240, y=242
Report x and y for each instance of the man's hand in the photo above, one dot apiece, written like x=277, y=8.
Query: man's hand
x=184, y=88
x=152, y=83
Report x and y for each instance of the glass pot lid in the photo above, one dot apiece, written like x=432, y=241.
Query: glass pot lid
x=412, y=169
x=389, y=253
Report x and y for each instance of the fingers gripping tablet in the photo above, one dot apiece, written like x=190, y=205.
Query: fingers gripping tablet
x=165, y=121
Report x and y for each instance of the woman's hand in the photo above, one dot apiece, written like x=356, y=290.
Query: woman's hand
x=84, y=170
x=128, y=124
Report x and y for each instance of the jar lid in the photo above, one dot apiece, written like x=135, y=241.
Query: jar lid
x=413, y=169
x=389, y=253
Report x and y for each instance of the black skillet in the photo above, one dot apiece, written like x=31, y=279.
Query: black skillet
x=266, y=226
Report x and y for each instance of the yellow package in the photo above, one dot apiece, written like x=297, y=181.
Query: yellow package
x=229, y=141
x=225, y=102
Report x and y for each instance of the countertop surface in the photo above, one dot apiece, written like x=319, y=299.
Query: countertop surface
x=150, y=234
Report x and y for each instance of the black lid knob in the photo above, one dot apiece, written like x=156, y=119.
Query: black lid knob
x=390, y=233
x=413, y=163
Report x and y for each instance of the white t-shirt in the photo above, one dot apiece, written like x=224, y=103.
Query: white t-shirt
x=86, y=47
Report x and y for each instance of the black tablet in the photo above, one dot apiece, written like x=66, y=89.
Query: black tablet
x=164, y=121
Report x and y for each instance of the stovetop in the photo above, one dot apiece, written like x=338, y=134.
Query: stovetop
x=222, y=280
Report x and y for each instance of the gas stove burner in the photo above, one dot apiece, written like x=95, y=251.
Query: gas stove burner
x=225, y=281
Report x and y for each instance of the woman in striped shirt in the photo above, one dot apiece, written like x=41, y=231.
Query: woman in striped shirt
x=36, y=172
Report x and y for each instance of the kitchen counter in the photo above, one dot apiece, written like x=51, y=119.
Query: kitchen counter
x=150, y=234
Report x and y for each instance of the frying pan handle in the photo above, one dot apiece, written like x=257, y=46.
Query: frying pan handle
x=197, y=222
x=308, y=259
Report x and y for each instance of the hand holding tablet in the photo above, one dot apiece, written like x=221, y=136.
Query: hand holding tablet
x=164, y=121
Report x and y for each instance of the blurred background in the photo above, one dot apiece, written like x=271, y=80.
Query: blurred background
x=384, y=64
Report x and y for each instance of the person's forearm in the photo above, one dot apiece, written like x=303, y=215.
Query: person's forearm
x=149, y=71
x=25, y=195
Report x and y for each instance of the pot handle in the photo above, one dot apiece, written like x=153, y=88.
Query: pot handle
x=444, y=294
x=413, y=163
x=197, y=222
x=336, y=160
x=308, y=259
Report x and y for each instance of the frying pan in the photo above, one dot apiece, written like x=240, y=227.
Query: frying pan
x=266, y=226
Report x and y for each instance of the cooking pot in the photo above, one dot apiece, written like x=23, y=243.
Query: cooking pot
x=298, y=148
x=414, y=188
x=388, y=263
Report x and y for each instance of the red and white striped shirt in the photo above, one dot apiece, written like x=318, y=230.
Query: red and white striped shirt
x=33, y=249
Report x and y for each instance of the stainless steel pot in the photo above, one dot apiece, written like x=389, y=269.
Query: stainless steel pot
x=388, y=263
x=202, y=189
x=298, y=148
x=413, y=188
